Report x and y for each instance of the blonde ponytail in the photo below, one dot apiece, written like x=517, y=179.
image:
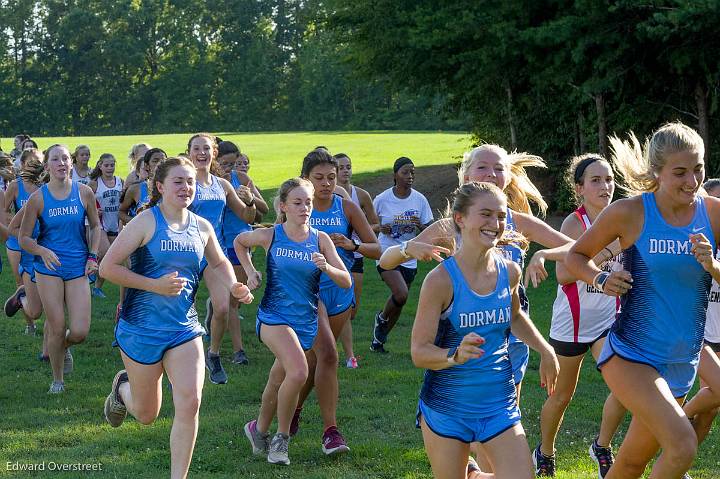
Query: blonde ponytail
x=520, y=191
x=639, y=166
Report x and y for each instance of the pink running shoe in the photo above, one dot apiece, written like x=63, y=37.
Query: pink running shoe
x=333, y=442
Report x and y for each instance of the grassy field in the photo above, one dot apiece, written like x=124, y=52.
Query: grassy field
x=278, y=156
x=377, y=401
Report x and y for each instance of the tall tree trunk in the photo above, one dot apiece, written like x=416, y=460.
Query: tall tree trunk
x=581, y=143
x=511, y=116
x=703, y=116
x=603, y=145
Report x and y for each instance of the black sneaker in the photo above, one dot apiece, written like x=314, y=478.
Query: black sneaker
x=603, y=457
x=14, y=303
x=544, y=465
x=377, y=347
x=380, y=329
x=240, y=358
x=217, y=372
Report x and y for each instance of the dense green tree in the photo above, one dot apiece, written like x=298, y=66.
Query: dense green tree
x=554, y=77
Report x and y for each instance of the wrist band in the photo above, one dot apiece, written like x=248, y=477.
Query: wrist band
x=94, y=260
x=93, y=256
x=403, y=247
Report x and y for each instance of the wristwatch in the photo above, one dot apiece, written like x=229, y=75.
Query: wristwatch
x=451, y=356
x=403, y=248
x=600, y=280
x=357, y=244
x=252, y=202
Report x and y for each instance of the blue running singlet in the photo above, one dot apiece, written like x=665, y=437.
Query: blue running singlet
x=519, y=352
x=231, y=224
x=333, y=220
x=62, y=230
x=144, y=199
x=662, y=318
x=21, y=198
x=152, y=323
x=292, y=285
x=484, y=386
x=209, y=203
x=144, y=195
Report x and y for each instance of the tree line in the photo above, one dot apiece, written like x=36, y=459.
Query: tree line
x=152, y=66
x=553, y=77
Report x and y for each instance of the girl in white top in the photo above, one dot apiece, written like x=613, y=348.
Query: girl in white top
x=108, y=189
x=403, y=213
x=81, y=159
x=361, y=198
x=582, y=316
x=703, y=407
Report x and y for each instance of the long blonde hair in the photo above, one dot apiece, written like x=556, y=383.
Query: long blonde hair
x=520, y=191
x=132, y=156
x=639, y=165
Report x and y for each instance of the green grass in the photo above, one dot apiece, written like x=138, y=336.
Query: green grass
x=377, y=402
x=277, y=156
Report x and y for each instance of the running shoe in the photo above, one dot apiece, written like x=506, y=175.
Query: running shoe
x=378, y=347
x=217, y=372
x=603, y=457
x=351, y=363
x=259, y=442
x=98, y=293
x=208, y=317
x=295, y=423
x=42, y=357
x=14, y=302
x=278, y=451
x=686, y=476
x=68, y=362
x=56, y=387
x=333, y=442
x=115, y=410
x=240, y=358
x=544, y=465
x=30, y=330
x=379, y=329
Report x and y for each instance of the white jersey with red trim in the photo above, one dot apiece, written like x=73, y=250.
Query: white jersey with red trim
x=581, y=313
x=108, y=199
x=712, y=321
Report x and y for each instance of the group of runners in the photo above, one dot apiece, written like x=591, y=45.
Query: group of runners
x=637, y=278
